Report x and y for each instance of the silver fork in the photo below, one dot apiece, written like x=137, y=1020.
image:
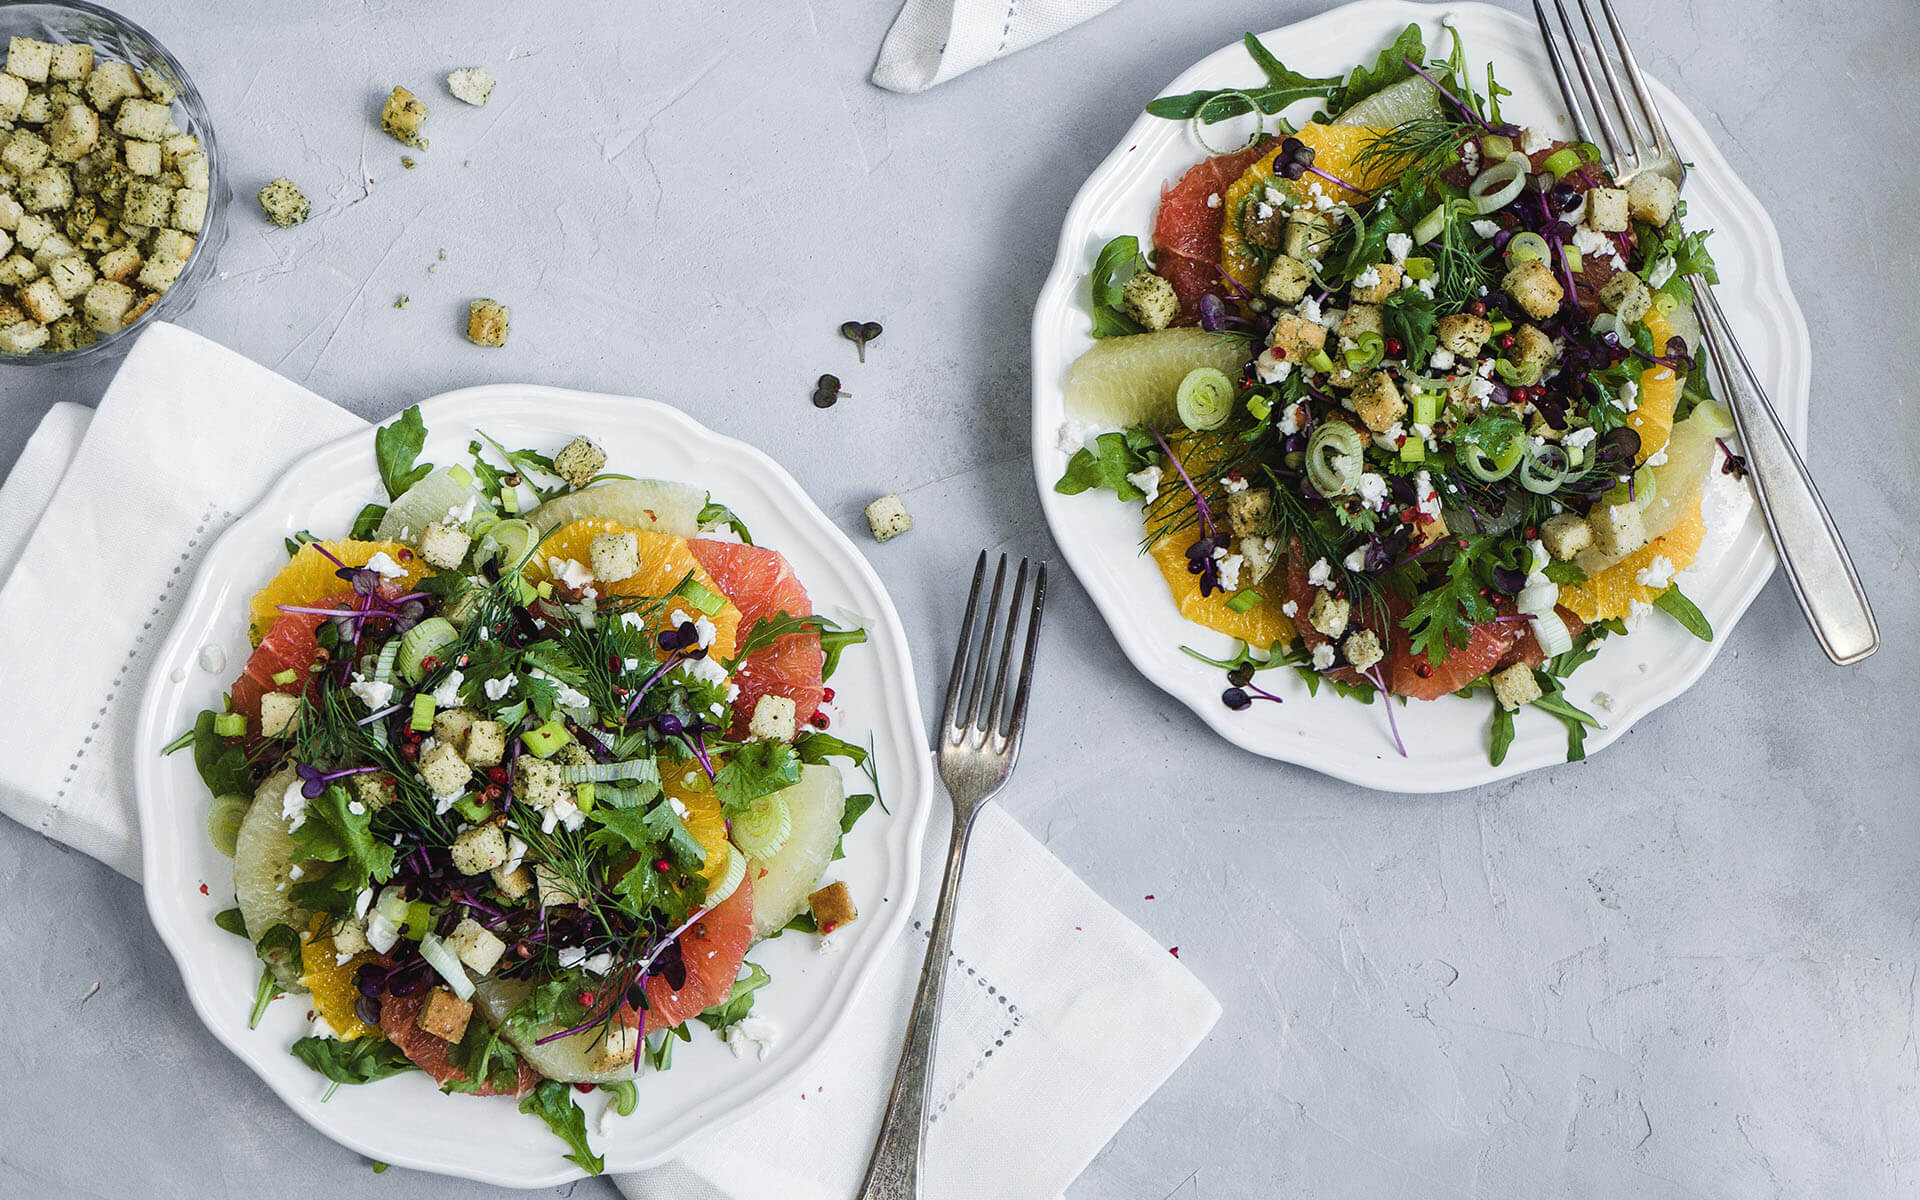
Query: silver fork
x=1816, y=560
x=977, y=748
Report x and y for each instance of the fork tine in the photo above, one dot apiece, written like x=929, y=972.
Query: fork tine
x=1639, y=146
x=1586, y=82
x=995, y=714
x=1017, y=720
x=958, y=676
x=1662, y=139
x=1560, y=75
x=985, y=662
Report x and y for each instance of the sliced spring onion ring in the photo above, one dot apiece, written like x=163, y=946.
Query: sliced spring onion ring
x=510, y=543
x=642, y=770
x=625, y=1096
x=1561, y=161
x=727, y=884
x=442, y=959
x=701, y=596
x=1199, y=119
x=1490, y=467
x=1259, y=406
x=223, y=822
x=1205, y=399
x=1543, y=469
x=1714, y=417
x=1496, y=146
x=1368, y=349
x=764, y=828
x=230, y=725
x=1495, y=188
x=422, y=642
x=1430, y=225
x=1319, y=361
x=1334, y=458
x=1516, y=374
x=1526, y=247
x=1551, y=632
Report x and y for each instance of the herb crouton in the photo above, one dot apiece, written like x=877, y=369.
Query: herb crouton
x=833, y=906
x=888, y=518
x=487, y=323
x=445, y=1015
x=282, y=200
x=402, y=116
x=579, y=461
x=1150, y=300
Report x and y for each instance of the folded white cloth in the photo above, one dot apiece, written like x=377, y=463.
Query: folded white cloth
x=934, y=40
x=1062, y=1016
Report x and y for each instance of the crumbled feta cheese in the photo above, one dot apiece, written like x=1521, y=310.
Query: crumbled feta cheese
x=1426, y=287
x=705, y=670
x=1580, y=437
x=1603, y=701
x=565, y=695
x=1263, y=211
x=757, y=1032
x=460, y=514
x=1269, y=369
x=372, y=693
x=1319, y=573
x=1630, y=395
x=1373, y=489
x=1229, y=566
x=447, y=695
x=1480, y=388
x=381, y=933
x=1075, y=434
x=1442, y=359
x=1657, y=574
x=1367, y=278
x=384, y=566
x=1399, y=245
x=1591, y=242
x=1290, y=419
x=1532, y=141
x=1309, y=310
x=1657, y=459
x=570, y=957
x=1147, y=479
x=1291, y=609
x=1424, y=497
x=1356, y=560
x=570, y=572
x=363, y=902
x=356, y=808
x=1234, y=483
x=496, y=689
x=1213, y=201
x=1663, y=269
x=1323, y=656
x=1637, y=612
x=1486, y=229
x=213, y=659
x=293, y=805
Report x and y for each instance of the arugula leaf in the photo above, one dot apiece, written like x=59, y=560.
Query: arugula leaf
x=333, y=832
x=1388, y=70
x=834, y=638
x=230, y=920
x=832, y=642
x=1282, y=88
x=1576, y=720
x=361, y=1060
x=223, y=767
x=660, y=1057
x=526, y=463
x=483, y=1058
x=754, y=770
x=1684, y=611
x=1502, y=733
x=816, y=746
x=298, y=540
x=739, y=1002
x=715, y=514
x=1119, y=257
x=803, y=923
x=1106, y=465
x=367, y=523
x=395, y=447
x=856, y=808
x=552, y=1102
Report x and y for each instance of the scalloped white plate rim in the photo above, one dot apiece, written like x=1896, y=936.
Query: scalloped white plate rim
x=1354, y=745
x=459, y=1137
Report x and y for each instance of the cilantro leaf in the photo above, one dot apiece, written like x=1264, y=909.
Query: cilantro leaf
x=1106, y=465
x=552, y=1102
x=1282, y=88
x=361, y=1060
x=1684, y=611
x=1119, y=257
x=754, y=770
x=739, y=1002
x=395, y=447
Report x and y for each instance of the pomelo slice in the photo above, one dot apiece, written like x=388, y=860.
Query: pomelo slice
x=568, y=1060
x=1408, y=100
x=262, y=869
x=425, y=503
x=654, y=504
x=761, y=583
x=782, y=883
x=1126, y=380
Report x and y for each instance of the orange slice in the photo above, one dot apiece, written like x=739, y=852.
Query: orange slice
x=309, y=577
x=331, y=983
x=1335, y=151
x=1611, y=593
x=688, y=785
x=664, y=562
x=1659, y=393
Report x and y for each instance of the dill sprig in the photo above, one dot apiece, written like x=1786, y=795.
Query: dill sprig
x=1414, y=152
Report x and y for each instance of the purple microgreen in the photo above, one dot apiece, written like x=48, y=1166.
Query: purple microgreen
x=1379, y=679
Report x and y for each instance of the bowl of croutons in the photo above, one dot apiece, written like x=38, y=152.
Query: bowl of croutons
x=111, y=195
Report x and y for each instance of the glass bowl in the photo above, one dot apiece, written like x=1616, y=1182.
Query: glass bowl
x=114, y=37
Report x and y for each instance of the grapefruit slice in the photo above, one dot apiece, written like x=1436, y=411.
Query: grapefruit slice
x=1186, y=231
x=1488, y=644
x=425, y=503
x=400, y=1021
x=761, y=583
x=781, y=883
x=655, y=504
x=711, y=949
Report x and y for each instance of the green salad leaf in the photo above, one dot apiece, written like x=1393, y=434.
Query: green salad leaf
x=333, y=832
x=552, y=1102
x=739, y=1002
x=754, y=770
x=395, y=449
x=1118, y=259
x=1685, y=611
x=1283, y=87
x=1104, y=465
x=361, y=1060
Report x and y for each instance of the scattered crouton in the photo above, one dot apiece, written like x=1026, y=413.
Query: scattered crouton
x=278, y=712
x=1617, y=528
x=773, y=717
x=480, y=849
x=402, y=116
x=444, y=546
x=1362, y=649
x=1607, y=210
x=486, y=744
x=445, y=1015
x=1652, y=198
x=1286, y=280
x=1516, y=686
x=444, y=771
x=487, y=323
x=614, y=556
x=1533, y=285
x=1565, y=535
x=888, y=518
x=832, y=906
x=1377, y=401
x=283, y=202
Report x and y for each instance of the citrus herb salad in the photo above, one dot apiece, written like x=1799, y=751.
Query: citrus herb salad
x=1411, y=395
x=518, y=771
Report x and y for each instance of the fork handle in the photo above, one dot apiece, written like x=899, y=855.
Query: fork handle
x=893, y=1173
x=1816, y=560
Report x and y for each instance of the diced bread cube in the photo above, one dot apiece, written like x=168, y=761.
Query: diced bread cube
x=1532, y=348
x=148, y=202
x=773, y=717
x=22, y=337
x=1294, y=337
x=284, y=203
x=445, y=1015
x=142, y=158
x=444, y=546
x=1248, y=510
x=196, y=174
x=13, y=97
x=16, y=269
x=888, y=518
x=177, y=144
x=32, y=230
x=614, y=556
x=278, y=712
x=71, y=276
x=120, y=264
x=451, y=726
x=6, y=243
x=110, y=83
x=42, y=301
x=1533, y=285
x=71, y=61
x=555, y=890
x=189, y=209
x=475, y=945
x=1309, y=234
x=1362, y=318
x=444, y=771
x=1516, y=686
x=512, y=884
x=1565, y=535
x=38, y=109
x=1652, y=198
x=480, y=849
x=486, y=744
x=75, y=134
x=11, y=210
x=70, y=333
x=29, y=58
x=98, y=237
x=1287, y=279
x=1328, y=614
x=1150, y=300
x=537, y=782
x=375, y=789
x=25, y=152
x=1464, y=333
x=1607, y=210
x=1617, y=528
x=160, y=87
x=1625, y=294
x=1377, y=401
x=471, y=84
x=487, y=323
x=1362, y=649
x=53, y=246
x=833, y=906
x=141, y=306
x=171, y=243
x=158, y=273
x=615, y=1049
x=1386, y=283
x=402, y=116
x=143, y=119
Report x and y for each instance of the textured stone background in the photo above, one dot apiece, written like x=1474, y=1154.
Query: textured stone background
x=1685, y=969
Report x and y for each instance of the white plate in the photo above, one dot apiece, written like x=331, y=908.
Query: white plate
x=1446, y=739
x=404, y=1120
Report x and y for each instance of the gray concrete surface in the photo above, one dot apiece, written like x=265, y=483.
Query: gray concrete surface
x=1686, y=969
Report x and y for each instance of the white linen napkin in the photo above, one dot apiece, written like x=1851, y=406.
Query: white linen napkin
x=934, y=40
x=1062, y=1016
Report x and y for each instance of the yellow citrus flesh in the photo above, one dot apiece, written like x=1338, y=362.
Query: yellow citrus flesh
x=664, y=562
x=332, y=984
x=691, y=788
x=1335, y=151
x=1259, y=627
x=309, y=578
x=1612, y=592
x=1659, y=393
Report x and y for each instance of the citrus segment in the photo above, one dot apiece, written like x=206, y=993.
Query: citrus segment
x=331, y=983
x=664, y=562
x=1336, y=150
x=761, y=583
x=691, y=791
x=1126, y=380
x=656, y=504
x=1186, y=230
x=309, y=575
x=711, y=950
x=1659, y=393
x=1260, y=627
x=1612, y=593
x=400, y=1021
